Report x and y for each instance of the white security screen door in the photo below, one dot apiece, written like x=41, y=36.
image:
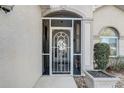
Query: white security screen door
x=62, y=48
x=61, y=51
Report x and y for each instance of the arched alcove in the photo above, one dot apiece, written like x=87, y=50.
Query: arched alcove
x=64, y=21
x=63, y=13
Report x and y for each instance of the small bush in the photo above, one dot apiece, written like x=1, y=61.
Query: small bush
x=118, y=64
x=118, y=67
x=101, y=55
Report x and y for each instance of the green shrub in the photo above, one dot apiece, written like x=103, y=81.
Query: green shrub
x=101, y=55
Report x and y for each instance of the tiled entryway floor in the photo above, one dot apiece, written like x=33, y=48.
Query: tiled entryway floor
x=56, y=82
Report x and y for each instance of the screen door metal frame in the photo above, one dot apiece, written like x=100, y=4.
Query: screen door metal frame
x=71, y=48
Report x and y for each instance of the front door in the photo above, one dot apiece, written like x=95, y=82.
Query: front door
x=61, y=51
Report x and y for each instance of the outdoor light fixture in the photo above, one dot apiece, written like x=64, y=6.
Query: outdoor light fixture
x=6, y=8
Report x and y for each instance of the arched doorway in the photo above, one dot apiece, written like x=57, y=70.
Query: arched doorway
x=61, y=40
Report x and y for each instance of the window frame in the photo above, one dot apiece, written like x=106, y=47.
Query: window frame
x=117, y=43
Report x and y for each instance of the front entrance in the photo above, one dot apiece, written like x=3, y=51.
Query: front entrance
x=61, y=51
x=62, y=48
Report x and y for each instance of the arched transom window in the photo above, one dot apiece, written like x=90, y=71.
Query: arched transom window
x=110, y=36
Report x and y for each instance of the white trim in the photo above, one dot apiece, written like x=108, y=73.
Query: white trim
x=62, y=18
x=45, y=54
x=61, y=75
x=108, y=37
x=82, y=49
x=63, y=28
x=117, y=43
x=72, y=52
x=50, y=69
x=114, y=56
x=77, y=54
x=71, y=37
x=42, y=48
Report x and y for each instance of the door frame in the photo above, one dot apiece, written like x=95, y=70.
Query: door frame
x=71, y=52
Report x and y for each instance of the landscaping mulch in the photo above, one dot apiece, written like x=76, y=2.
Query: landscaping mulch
x=119, y=74
x=80, y=81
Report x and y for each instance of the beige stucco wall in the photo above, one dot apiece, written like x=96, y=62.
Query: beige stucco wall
x=83, y=9
x=109, y=16
x=20, y=47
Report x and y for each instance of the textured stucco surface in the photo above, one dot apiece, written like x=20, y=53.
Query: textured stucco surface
x=109, y=16
x=20, y=45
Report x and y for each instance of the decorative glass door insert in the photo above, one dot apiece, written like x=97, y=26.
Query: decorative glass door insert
x=61, y=51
